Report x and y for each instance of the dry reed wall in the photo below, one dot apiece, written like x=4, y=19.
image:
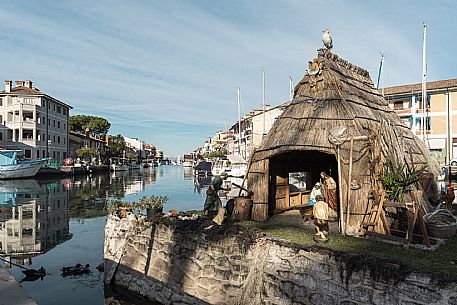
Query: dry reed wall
x=176, y=267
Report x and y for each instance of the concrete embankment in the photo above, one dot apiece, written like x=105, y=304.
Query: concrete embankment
x=180, y=263
x=11, y=293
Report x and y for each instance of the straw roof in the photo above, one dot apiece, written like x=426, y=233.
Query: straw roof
x=336, y=93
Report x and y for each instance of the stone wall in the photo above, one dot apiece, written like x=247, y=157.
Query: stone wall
x=186, y=265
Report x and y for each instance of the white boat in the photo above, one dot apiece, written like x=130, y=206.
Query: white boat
x=119, y=167
x=187, y=163
x=13, y=165
x=135, y=166
x=233, y=165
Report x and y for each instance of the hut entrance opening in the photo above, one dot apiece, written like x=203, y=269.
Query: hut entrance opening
x=294, y=174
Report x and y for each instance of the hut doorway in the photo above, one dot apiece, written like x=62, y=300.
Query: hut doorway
x=293, y=175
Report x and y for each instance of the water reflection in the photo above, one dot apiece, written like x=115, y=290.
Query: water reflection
x=60, y=222
x=33, y=218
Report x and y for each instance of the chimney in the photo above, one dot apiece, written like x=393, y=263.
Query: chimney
x=28, y=84
x=8, y=84
x=20, y=83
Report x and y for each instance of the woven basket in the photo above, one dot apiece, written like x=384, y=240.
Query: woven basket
x=441, y=224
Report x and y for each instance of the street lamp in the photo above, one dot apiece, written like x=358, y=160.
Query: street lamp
x=49, y=148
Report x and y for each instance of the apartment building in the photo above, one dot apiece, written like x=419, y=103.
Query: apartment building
x=33, y=122
x=254, y=127
x=440, y=116
x=135, y=146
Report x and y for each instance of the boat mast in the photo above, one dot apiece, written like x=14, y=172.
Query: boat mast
x=263, y=101
x=424, y=84
x=380, y=73
x=291, y=89
x=239, y=120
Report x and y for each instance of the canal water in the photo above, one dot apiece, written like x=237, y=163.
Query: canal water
x=60, y=222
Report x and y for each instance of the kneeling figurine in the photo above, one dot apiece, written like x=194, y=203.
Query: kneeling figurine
x=320, y=212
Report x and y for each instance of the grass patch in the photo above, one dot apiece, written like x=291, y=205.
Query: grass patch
x=441, y=263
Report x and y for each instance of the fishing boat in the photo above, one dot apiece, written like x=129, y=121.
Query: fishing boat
x=233, y=165
x=118, y=164
x=14, y=165
x=188, y=161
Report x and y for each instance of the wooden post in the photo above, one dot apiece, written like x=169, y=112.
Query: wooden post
x=246, y=174
x=349, y=181
x=340, y=191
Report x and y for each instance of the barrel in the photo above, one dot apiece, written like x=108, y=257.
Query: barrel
x=242, y=208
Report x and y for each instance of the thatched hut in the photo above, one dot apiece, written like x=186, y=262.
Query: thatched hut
x=335, y=107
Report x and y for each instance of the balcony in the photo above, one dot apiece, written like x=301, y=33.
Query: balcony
x=419, y=132
x=404, y=112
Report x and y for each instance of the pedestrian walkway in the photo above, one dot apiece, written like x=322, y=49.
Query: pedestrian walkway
x=11, y=293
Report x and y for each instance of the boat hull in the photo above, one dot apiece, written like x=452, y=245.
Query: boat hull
x=119, y=168
x=21, y=170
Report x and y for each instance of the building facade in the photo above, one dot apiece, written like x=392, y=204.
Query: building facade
x=33, y=122
x=440, y=116
x=254, y=127
x=78, y=140
x=135, y=146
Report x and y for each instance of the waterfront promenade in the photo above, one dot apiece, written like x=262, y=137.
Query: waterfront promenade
x=12, y=292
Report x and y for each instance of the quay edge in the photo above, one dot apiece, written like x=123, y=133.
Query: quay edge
x=179, y=262
x=11, y=292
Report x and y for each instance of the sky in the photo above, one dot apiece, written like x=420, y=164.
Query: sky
x=166, y=72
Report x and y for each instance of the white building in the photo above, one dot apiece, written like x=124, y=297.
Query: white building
x=135, y=146
x=33, y=122
x=254, y=127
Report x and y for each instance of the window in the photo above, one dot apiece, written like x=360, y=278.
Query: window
x=38, y=154
x=64, y=140
x=1, y=136
x=49, y=136
x=58, y=139
x=59, y=109
x=28, y=153
x=54, y=107
x=44, y=154
x=53, y=123
x=54, y=138
x=49, y=122
x=1, y=102
x=53, y=154
x=64, y=126
x=398, y=105
x=49, y=105
x=64, y=111
x=58, y=124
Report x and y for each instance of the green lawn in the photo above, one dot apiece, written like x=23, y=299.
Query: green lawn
x=441, y=262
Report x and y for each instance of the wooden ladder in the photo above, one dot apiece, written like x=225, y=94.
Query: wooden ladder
x=375, y=212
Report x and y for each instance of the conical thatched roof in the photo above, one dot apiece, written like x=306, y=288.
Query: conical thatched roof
x=336, y=93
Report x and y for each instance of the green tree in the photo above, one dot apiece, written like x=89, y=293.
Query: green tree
x=85, y=153
x=93, y=124
x=116, y=145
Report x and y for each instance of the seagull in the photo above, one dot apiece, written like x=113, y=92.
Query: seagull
x=327, y=40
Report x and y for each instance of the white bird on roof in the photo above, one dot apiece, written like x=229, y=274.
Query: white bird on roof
x=327, y=40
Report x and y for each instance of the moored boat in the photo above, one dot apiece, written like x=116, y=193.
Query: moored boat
x=13, y=165
x=119, y=167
